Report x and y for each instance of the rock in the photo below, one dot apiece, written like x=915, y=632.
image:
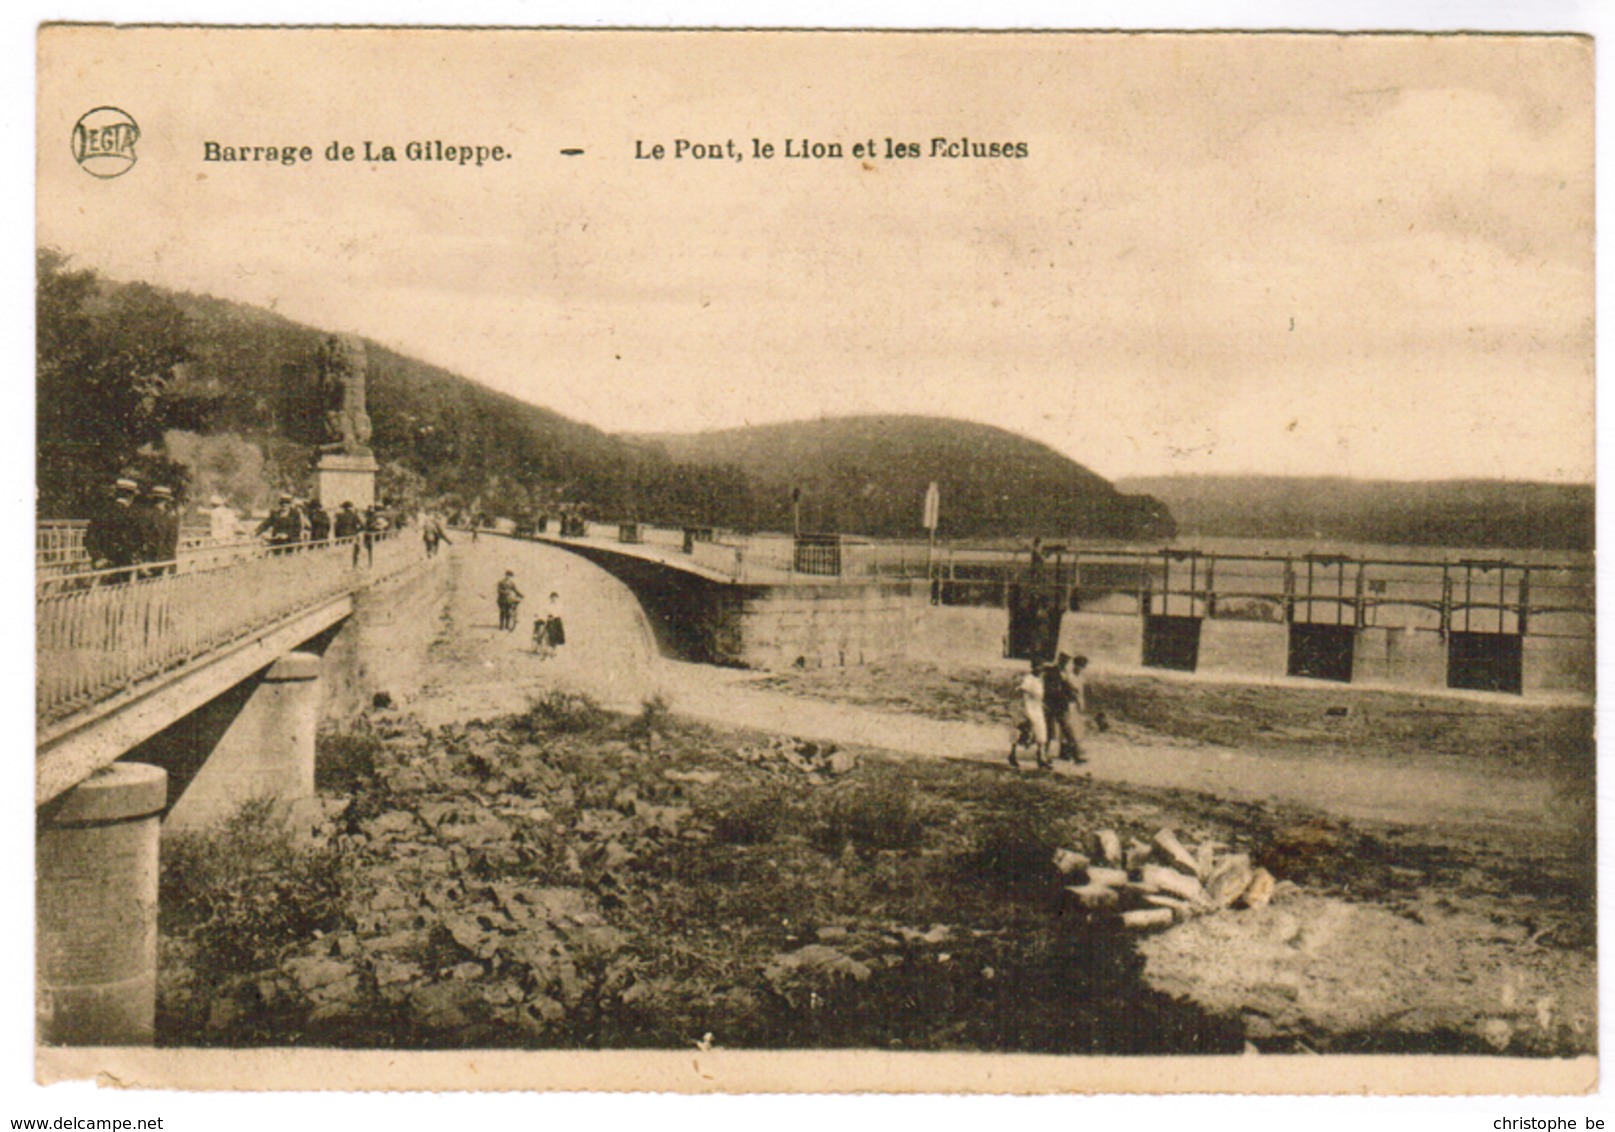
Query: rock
x=1094, y=895
x=393, y=823
x=663, y=820
x=390, y=899
x=1068, y=862
x=474, y=934
x=832, y=933
x=1181, y=909
x=1173, y=882
x=322, y=980
x=1497, y=1033
x=546, y=1009
x=1110, y=846
x=391, y=972
x=803, y=975
x=1111, y=878
x=1167, y=842
x=1259, y=892
x=466, y=971
x=395, y=943
x=1229, y=881
x=1138, y=853
x=1148, y=918
x=446, y=1006
x=699, y=777
x=840, y=763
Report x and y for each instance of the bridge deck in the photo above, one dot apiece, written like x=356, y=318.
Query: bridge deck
x=118, y=660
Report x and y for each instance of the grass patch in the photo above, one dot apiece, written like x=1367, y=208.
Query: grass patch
x=751, y=814
x=245, y=893
x=875, y=813
x=564, y=713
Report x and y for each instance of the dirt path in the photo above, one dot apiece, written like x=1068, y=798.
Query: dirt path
x=479, y=671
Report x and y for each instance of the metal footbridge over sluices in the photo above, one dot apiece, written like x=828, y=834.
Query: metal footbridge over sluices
x=1430, y=620
x=123, y=654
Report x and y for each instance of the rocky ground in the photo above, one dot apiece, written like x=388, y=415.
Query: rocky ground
x=496, y=862
x=568, y=878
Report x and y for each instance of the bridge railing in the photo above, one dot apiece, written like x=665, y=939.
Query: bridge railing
x=99, y=632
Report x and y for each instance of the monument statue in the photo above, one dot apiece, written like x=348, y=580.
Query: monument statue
x=340, y=365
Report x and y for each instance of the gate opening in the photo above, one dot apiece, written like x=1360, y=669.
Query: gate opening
x=1322, y=652
x=1486, y=662
x=1171, y=642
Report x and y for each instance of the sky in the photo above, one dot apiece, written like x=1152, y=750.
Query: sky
x=1290, y=255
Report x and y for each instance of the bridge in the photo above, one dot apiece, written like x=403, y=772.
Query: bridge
x=210, y=664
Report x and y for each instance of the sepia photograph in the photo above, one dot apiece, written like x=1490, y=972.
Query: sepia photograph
x=815, y=561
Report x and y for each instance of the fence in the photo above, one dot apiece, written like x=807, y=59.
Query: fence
x=99, y=632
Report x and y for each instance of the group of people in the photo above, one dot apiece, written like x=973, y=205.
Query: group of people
x=549, y=629
x=1054, y=699
x=136, y=534
x=294, y=522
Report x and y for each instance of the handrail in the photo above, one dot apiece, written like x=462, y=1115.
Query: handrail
x=100, y=631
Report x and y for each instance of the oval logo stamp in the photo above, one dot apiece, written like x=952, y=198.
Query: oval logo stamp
x=104, y=142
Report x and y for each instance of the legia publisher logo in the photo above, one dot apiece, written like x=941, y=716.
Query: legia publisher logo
x=104, y=142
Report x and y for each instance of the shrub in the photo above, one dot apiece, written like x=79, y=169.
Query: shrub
x=749, y=815
x=1014, y=849
x=652, y=719
x=875, y=814
x=245, y=892
x=563, y=713
x=345, y=760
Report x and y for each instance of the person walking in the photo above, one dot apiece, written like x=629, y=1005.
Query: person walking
x=284, y=525
x=375, y=526
x=1071, y=721
x=319, y=522
x=346, y=523
x=1036, y=724
x=158, y=527
x=432, y=533
x=112, y=540
x=554, y=626
x=509, y=597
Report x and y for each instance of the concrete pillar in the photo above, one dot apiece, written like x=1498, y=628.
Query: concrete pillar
x=267, y=752
x=96, y=909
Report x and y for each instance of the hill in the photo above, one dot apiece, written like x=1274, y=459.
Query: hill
x=228, y=404
x=218, y=397
x=868, y=475
x=1457, y=513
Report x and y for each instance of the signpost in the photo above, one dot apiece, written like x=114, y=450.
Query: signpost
x=933, y=506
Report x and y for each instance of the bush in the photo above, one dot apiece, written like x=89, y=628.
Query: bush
x=652, y=720
x=1014, y=849
x=244, y=893
x=345, y=760
x=563, y=713
x=876, y=814
x=750, y=815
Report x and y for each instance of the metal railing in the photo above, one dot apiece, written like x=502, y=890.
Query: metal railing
x=99, y=632
x=1543, y=599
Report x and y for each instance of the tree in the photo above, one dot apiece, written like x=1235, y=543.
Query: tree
x=103, y=367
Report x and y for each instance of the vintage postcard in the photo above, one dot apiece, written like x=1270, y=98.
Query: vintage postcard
x=815, y=561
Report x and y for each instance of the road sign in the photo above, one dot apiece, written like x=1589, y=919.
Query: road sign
x=933, y=504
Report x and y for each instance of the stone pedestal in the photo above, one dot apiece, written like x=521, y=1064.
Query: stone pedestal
x=268, y=751
x=96, y=908
x=340, y=478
